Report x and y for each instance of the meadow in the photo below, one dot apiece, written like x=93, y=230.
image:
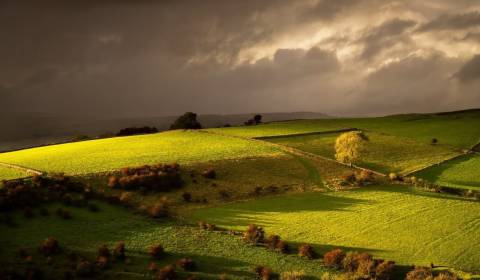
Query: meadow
x=462, y=172
x=391, y=222
x=214, y=253
x=383, y=153
x=114, y=153
x=7, y=173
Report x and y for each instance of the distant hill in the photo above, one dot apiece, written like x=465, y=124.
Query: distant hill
x=34, y=129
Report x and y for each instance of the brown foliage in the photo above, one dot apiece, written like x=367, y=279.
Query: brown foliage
x=167, y=273
x=306, y=251
x=50, y=246
x=384, y=270
x=263, y=272
x=334, y=258
x=186, y=264
x=254, y=234
x=419, y=273
x=156, y=251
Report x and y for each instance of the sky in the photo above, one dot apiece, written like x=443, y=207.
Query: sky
x=153, y=58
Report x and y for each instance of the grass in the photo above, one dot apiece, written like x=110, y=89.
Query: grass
x=460, y=130
x=462, y=172
x=214, y=253
x=392, y=222
x=383, y=153
x=113, y=153
x=7, y=173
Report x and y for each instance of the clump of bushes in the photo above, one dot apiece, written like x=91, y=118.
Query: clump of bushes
x=160, y=178
x=209, y=173
x=156, y=251
x=384, y=270
x=362, y=178
x=394, y=177
x=136, y=130
x=167, y=273
x=186, y=264
x=50, y=247
x=206, y=226
x=84, y=268
x=119, y=251
x=263, y=272
x=254, y=234
x=274, y=242
x=159, y=209
x=306, y=251
x=420, y=273
x=103, y=251
x=334, y=258
x=186, y=121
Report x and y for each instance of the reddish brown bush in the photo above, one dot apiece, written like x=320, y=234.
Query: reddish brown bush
x=334, y=258
x=103, y=251
x=254, y=234
x=113, y=182
x=306, y=251
x=263, y=272
x=159, y=209
x=209, y=173
x=50, y=247
x=84, y=269
x=156, y=251
x=445, y=276
x=419, y=273
x=167, y=273
x=384, y=270
x=102, y=262
x=274, y=242
x=186, y=264
x=159, y=177
x=119, y=251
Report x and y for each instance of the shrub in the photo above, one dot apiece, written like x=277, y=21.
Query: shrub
x=186, y=121
x=84, y=269
x=263, y=272
x=306, y=251
x=349, y=178
x=254, y=234
x=167, y=273
x=384, y=270
x=274, y=242
x=292, y=275
x=209, y=173
x=393, y=176
x=445, y=276
x=103, y=251
x=419, y=273
x=119, y=251
x=156, y=251
x=206, y=226
x=187, y=197
x=186, y=264
x=137, y=130
x=362, y=263
x=125, y=198
x=50, y=247
x=102, y=262
x=334, y=258
x=365, y=176
x=160, y=177
x=159, y=209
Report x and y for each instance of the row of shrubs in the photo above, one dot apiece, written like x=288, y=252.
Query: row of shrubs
x=159, y=178
x=357, y=179
x=137, y=130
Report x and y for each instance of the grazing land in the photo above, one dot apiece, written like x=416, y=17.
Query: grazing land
x=7, y=173
x=114, y=153
x=462, y=172
x=383, y=153
x=390, y=221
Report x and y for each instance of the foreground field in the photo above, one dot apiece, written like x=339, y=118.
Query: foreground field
x=463, y=172
x=10, y=173
x=459, y=129
x=392, y=222
x=114, y=153
x=214, y=253
x=382, y=153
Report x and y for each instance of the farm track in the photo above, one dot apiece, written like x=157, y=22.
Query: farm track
x=21, y=168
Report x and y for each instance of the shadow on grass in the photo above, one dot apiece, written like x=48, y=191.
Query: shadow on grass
x=434, y=173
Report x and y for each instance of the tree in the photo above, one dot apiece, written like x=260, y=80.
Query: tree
x=257, y=118
x=349, y=146
x=186, y=121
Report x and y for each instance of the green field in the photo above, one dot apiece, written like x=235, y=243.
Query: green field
x=7, y=173
x=383, y=153
x=392, y=222
x=214, y=253
x=114, y=153
x=462, y=172
x=460, y=130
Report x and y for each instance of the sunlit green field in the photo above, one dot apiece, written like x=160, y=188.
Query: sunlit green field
x=392, y=222
x=214, y=253
x=463, y=172
x=114, y=153
x=460, y=129
x=382, y=152
x=10, y=173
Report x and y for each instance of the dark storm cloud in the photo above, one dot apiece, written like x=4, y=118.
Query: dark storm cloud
x=133, y=57
x=453, y=22
x=470, y=71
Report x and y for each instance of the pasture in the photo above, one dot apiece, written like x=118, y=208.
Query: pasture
x=109, y=154
x=383, y=153
x=7, y=173
x=214, y=253
x=462, y=172
x=391, y=222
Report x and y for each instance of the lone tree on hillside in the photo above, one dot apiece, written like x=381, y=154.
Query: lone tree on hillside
x=186, y=121
x=349, y=146
x=257, y=118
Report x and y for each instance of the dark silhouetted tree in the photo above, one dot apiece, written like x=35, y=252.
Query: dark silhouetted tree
x=186, y=121
x=258, y=119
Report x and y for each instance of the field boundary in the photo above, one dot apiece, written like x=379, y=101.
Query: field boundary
x=436, y=164
x=305, y=134
x=21, y=168
x=297, y=152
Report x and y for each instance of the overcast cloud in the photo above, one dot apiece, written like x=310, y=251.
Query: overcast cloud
x=147, y=57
